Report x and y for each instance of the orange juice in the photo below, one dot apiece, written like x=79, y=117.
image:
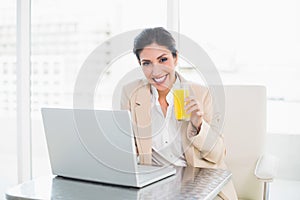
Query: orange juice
x=179, y=96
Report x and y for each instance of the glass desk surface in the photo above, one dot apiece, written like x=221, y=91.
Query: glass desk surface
x=187, y=183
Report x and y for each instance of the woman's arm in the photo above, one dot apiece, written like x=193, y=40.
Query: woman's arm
x=124, y=101
x=208, y=140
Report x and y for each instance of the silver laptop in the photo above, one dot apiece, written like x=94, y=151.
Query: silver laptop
x=97, y=145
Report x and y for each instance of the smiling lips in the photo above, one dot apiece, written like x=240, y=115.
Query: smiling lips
x=161, y=79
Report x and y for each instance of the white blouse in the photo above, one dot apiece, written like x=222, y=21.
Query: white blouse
x=166, y=135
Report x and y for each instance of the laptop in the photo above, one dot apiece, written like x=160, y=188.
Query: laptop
x=97, y=145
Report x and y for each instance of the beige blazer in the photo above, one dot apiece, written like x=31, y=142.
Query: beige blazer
x=204, y=150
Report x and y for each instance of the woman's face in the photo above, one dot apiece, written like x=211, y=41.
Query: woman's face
x=158, y=66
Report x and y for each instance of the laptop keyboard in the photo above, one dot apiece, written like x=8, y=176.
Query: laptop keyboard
x=149, y=172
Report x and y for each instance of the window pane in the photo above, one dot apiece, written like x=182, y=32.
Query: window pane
x=253, y=42
x=63, y=34
x=8, y=140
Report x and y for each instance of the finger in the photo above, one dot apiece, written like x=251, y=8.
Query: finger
x=199, y=113
x=190, y=104
x=189, y=98
x=194, y=108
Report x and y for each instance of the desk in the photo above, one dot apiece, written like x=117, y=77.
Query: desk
x=188, y=183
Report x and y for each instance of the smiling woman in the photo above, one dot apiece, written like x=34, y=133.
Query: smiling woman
x=158, y=134
x=158, y=66
x=156, y=53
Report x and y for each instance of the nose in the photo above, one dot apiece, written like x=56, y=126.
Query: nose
x=156, y=70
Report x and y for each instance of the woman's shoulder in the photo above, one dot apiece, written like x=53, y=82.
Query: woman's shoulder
x=198, y=86
x=195, y=86
x=203, y=89
x=201, y=92
x=134, y=85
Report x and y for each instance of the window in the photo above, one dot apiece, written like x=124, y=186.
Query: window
x=63, y=34
x=253, y=42
x=8, y=141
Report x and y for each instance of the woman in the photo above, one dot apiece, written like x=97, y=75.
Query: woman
x=159, y=137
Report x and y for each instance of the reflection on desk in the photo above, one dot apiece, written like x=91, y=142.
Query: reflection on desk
x=188, y=183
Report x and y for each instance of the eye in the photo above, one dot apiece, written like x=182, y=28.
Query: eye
x=164, y=59
x=145, y=64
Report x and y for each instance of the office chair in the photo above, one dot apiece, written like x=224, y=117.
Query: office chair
x=244, y=135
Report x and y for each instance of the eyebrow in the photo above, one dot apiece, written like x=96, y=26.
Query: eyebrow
x=156, y=58
x=161, y=56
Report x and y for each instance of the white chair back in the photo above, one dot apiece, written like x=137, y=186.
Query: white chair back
x=244, y=135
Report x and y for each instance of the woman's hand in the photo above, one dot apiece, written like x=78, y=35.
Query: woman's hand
x=192, y=106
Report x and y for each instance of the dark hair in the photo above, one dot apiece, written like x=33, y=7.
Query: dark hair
x=157, y=35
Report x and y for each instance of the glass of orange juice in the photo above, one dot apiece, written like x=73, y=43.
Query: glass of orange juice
x=181, y=92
